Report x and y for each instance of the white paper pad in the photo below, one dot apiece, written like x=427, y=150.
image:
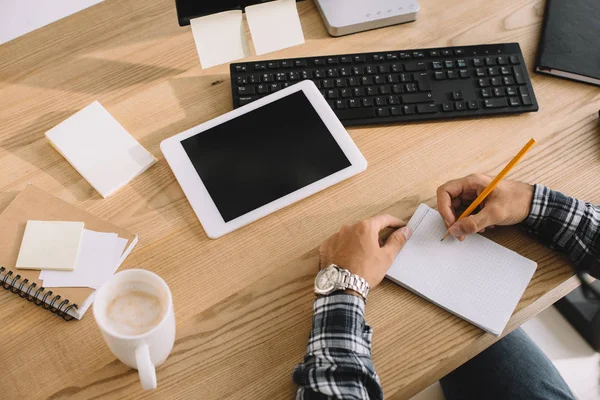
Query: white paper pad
x=98, y=260
x=18, y=17
x=274, y=25
x=50, y=245
x=100, y=149
x=220, y=38
x=477, y=280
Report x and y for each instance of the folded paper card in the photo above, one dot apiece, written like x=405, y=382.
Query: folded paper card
x=274, y=25
x=477, y=280
x=100, y=149
x=220, y=38
x=98, y=260
x=50, y=245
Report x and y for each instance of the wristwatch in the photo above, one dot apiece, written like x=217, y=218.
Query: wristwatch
x=334, y=278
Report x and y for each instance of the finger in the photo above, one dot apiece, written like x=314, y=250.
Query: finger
x=470, y=224
x=397, y=240
x=382, y=221
x=445, y=194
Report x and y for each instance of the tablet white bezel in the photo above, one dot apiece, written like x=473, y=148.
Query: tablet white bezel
x=196, y=192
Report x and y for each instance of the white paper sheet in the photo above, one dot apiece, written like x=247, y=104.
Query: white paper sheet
x=100, y=149
x=274, y=25
x=220, y=38
x=97, y=262
x=477, y=280
x=50, y=245
x=18, y=17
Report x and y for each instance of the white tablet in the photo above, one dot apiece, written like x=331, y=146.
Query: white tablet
x=262, y=157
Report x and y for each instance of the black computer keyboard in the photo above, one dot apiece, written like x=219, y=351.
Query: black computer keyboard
x=395, y=86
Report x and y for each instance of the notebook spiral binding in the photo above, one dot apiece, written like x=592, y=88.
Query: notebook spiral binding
x=36, y=296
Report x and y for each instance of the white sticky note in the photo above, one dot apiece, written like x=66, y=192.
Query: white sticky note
x=50, y=245
x=274, y=25
x=100, y=149
x=220, y=38
x=95, y=265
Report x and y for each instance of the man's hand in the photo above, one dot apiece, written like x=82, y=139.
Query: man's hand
x=357, y=248
x=508, y=204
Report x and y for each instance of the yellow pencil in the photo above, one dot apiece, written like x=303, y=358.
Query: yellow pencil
x=495, y=182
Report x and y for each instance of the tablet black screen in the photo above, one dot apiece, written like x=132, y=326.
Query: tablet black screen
x=263, y=155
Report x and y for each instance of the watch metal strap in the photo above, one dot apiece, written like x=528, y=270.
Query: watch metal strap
x=354, y=282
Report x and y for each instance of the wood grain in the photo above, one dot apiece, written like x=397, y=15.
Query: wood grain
x=243, y=302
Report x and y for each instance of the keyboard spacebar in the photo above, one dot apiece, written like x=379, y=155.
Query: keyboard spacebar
x=355, y=113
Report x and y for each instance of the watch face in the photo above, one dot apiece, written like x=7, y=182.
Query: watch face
x=326, y=279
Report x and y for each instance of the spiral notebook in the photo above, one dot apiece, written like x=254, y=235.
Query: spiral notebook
x=35, y=204
x=477, y=280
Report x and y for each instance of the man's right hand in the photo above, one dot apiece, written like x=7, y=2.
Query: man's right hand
x=508, y=204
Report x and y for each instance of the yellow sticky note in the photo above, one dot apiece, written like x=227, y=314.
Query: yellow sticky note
x=52, y=245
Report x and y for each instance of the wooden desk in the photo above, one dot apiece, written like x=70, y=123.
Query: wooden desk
x=244, y=302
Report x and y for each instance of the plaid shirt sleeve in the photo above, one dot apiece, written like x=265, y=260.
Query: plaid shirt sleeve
x=567, y=224
x=338, y=362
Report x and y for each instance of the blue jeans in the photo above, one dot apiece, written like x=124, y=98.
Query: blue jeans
x=513, y=368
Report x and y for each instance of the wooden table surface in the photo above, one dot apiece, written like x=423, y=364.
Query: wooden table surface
x=243, y=303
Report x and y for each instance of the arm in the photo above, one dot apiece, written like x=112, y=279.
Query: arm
x=567, y=224
x=338, y=362
x=338, y=356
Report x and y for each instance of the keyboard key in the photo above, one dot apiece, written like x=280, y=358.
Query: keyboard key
x=457, y=95
x=286, y=64
x=340, y=82
x=274, y=87
x=449, y=64
x=514, y=102
x=514, y=60
x=439, y=75
x=306, y=75
x=385, y=90
x=446, y=52
x=483, y=82
x=447, y=107
x=380, y=101
x=346, y=92
x=495, y=103
x=496, y=81
x=367, y=102
x=437, y=65
x=434, y=53
x=452, y=74
x=480, y=72
x=371, y=69
x=353, y=103
x=510, y=91
x=411, y=87
x=383, y=69
x=391, y=56
x=320, y=73
x=396, y=67
x=260, y=66
x=242, y=81
x=508, y=80
x=332, y=60
x=346, y=71
x=505, y=70
x=472, y=104
x=366, y=80
x=254, y=78
x=518, y=72
x=499, y=92
x=346, y=60
x=372, y=91
x=340, y=104
x=378, y=57
x=358, y=70
x=379, y=79
x=493, y=71
x=382, y=112
x=360, y=59
x=417, y=98
x=408, y=110
x=396, y=111
x=267, y=78
x=461, y=63
x=355, y=113
x=240, y=68
x=423, y=82
x=247, y=99
x=398, y=89
x=426, y=108
x=294, y=76
x=525, y=96
x=393, y=100
x=415, y=66
x=246, y=90
x=332, y=73
x=319, y=61
x=263, y=89
x=502, y=60
x=477, y=62
x=391, y=78
x=328, y=83
x=354, y=81
x=490, y=61
x=460, y=106
x=405, y=77
x=300, y=63
x=485, y=93
x=464, y=74
x=404, y=56
x=459, y=52
x=359, y=92
x=280, y=77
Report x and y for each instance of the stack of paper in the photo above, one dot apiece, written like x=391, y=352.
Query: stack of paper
x=69, y=255
x=100, y=149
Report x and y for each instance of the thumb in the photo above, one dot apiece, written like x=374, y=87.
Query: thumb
x=397, y=240
x=471, y=224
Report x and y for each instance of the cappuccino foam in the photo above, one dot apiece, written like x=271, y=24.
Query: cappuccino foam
x=134, y=312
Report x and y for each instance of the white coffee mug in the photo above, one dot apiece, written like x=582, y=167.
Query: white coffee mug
x=134, y=311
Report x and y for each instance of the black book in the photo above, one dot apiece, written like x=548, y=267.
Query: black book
x=570, y=40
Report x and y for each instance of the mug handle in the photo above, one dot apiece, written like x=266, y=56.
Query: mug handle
x=145, y=367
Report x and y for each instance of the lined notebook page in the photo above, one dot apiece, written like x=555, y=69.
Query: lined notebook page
x=477, y=280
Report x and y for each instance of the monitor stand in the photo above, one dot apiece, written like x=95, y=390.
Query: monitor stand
x=582, y=314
